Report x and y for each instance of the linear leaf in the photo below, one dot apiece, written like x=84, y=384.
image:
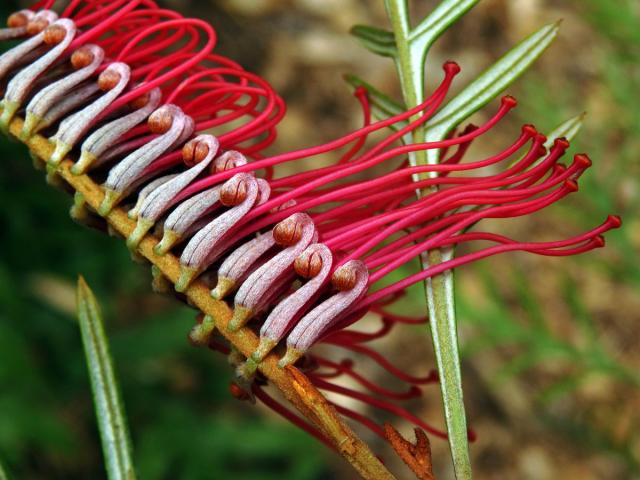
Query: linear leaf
x=438, y=21
x=489, y=85
x=112, y=424
x=377, y=40
x=3, y=473
x=568, y=130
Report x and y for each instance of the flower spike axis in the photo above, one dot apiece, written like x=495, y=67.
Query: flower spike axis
x=175, y=137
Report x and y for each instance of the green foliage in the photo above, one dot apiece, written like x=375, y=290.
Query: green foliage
x=489, y=84
x=3, y=473
x=378, y=41
x=112, y=423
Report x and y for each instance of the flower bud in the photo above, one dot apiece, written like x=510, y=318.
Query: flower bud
x=288, y=232
x=141, y=101
x=108, y=80
x=238, y=392
x=54, y=34
x=233, y=194
x=160, y=121
x=18, y=20
x=227, y=161
x=37, y=25
x=308, y=265
x=82, y=57
x=194, y=152
x=344, y=278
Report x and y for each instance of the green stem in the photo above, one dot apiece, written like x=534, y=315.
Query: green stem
x=439, y=289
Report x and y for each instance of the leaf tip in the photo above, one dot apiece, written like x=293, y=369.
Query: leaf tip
x=555, y=26
x=82, y=290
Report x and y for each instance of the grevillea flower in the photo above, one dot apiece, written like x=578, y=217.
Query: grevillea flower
x=175, y=133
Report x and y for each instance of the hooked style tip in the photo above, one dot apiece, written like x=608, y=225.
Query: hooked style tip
x=187, y=275
x=160, y=283
x=61, y=151
x=84, y=162
x=223, y=287
x=29, y=126
x=111, y=197
x=169, y=239
x=201, y=333
x=288, y=232
x=241, y=316
x=290, y=357
x=142, y=227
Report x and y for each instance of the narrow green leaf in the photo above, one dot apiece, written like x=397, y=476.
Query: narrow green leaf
x=568, y=130
x=438, y=21
x=445, y=15
x=3, y=473
x=377, y=40
x=374, y=34
x=489, y=85
x=112, y=424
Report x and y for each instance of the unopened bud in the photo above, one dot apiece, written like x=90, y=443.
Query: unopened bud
x=37, y=25
x=308, y=265
x=344, y=278
x=287, y=233
x=227, y=161
x=17, y=20
x=82, y=57
x=141, y=101
x=233, y=194
x=108, y=80
x=238, y=392
x=54, y=34
x=160, y=121
x=194, y=152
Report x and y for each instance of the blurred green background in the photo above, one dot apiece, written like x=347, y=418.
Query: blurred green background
x=551, y=363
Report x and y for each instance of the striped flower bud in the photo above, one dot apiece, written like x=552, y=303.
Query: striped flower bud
x=73, y=128
x=313, y=325
x=130, y=171
x=107, y=136
x=46, y=98
x=255, y=293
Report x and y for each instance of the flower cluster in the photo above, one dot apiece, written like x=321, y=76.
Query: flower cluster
x=175, y=134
